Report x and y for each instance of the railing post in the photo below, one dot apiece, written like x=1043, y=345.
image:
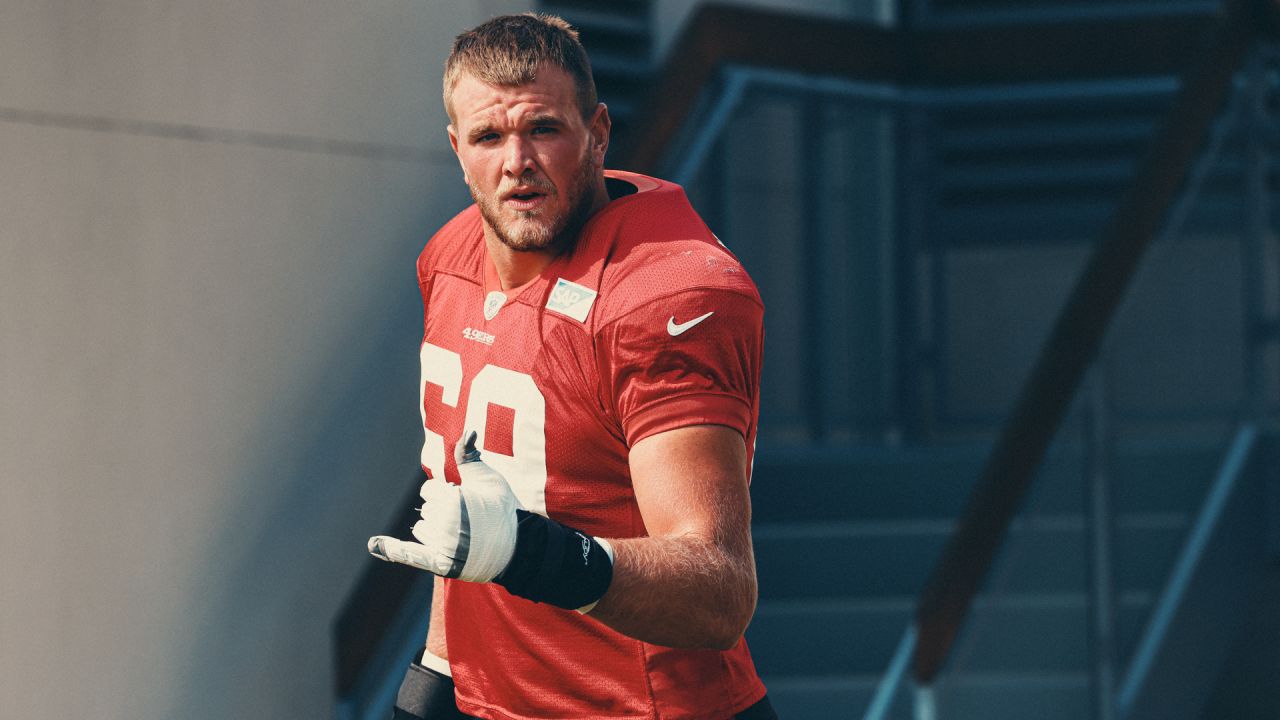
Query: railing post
x=1100, y=523
x=906, y=420
x=814, y=240
x=926, y=706
x=1258, y=130
x=1262, y=329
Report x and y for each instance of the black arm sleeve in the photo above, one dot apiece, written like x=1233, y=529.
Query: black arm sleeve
x=555, y=564
x=426, y=695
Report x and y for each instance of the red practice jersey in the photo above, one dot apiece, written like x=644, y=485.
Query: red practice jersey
x=648, y=325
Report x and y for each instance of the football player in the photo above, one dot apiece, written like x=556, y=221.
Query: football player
x=590, y=391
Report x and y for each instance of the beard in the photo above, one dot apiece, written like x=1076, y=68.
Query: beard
x=555, y=234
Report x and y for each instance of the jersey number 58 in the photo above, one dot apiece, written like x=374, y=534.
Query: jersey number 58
x=526, y=468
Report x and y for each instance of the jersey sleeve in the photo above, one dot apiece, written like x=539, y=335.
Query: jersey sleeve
x=692, y=358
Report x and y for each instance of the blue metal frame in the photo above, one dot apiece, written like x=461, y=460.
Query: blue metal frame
x=882, y=701
x=695, y=154
x=923, y=14
x=1175, y=589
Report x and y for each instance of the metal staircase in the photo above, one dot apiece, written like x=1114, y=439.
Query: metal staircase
x=618, y=34
x=845, y=542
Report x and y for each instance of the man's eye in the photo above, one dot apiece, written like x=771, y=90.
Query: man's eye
x=487, y=138
x=544, y=130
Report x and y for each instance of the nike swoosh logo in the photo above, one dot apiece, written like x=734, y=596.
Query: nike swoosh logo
x=678, y=328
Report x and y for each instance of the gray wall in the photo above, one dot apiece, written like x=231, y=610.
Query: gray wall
x=209, y=214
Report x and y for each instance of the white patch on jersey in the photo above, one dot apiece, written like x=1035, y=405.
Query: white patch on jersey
x=493, y=302
x=571, y=299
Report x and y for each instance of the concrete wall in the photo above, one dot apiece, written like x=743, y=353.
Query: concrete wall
x=209, y=214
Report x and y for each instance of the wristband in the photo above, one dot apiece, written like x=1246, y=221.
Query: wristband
x=556, y=564
x=426, y=695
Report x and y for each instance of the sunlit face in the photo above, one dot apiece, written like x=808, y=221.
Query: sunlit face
x=533, y=164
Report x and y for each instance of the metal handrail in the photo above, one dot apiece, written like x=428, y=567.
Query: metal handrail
x=1161, y=618
x=882, y=700
x=958, y=59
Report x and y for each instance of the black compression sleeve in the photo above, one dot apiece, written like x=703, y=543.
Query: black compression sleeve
x=556, y=564
x=426, y=695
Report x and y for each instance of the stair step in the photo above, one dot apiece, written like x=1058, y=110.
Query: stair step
x=878, y=559
x=640, y=8
x=620, y=67
x=844, y=540
x=829, y=636
x=1015, y=696
x=620, y=106
x=1047, y=696
x=818, y=697
x=877, y=484
x=586, y=19
x=1148, y=480
x=862, y=484
x=1042, y=633
x=1003, y=180
x=980, y=143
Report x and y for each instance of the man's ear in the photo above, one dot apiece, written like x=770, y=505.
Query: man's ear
x=453, y=143
x=599, y=127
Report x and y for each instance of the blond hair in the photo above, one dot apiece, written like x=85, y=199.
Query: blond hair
x=508, y=50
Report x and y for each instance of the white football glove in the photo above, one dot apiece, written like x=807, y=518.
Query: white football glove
x=466, y=532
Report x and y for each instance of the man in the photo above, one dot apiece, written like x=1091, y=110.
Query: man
x=595, y=354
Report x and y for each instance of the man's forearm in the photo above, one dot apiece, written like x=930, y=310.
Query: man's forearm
x=683, y=591
x=690, y=584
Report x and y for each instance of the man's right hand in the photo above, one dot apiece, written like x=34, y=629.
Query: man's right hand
x=466, y=532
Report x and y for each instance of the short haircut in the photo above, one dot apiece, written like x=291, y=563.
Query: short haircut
x=508, y=51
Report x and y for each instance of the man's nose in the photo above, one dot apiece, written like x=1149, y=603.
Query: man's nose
x=519, y=156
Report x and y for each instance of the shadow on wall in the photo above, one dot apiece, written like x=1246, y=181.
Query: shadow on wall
x=286, y=554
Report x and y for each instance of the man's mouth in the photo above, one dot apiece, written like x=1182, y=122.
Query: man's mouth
x=524, y=199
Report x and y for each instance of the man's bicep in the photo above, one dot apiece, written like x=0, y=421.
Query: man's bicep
x=692, y=480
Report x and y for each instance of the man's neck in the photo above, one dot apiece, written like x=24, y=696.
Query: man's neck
x=515, y=268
